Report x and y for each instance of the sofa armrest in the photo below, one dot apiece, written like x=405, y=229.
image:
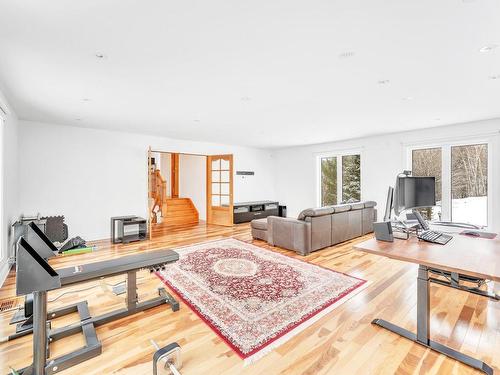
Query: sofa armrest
x=289, y=233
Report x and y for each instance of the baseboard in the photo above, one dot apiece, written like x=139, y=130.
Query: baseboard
x=4, y=271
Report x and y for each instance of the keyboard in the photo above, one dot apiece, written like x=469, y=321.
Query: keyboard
x=435, y=237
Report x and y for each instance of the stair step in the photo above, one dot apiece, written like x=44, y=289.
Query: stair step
x=180, y=201
x=194, y=216
x=179, y=211
x=183, y=212
x=181, y=221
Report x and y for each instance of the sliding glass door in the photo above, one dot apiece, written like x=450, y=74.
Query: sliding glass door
x=469, y=184
x=461, y=172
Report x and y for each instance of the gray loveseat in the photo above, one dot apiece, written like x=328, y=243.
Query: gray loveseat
x=317, y=228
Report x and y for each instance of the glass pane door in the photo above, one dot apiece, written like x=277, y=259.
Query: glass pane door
x=220, y=189
x=220, y=183
x=216, y=180
x=469, y=184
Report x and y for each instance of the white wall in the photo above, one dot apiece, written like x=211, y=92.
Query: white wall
x=193, y=181
x=89, y=175
x=10, y=184
x=166, y=165
x=382, y=158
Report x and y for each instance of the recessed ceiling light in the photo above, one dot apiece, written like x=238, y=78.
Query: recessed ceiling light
x=488, y=48
x=383, y=82
x=346, y=55
x=497, y=76
x=100, y=55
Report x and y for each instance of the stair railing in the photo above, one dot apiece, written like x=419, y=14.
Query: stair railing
x=158, y=193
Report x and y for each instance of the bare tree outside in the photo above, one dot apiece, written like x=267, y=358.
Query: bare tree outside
x=469, y=166
x=427, y=162
x=469, y=184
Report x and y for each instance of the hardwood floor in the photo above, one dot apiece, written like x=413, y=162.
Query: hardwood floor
x=342, y=342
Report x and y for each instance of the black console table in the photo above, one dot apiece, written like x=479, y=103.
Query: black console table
x=125, y=229
x=247, y=211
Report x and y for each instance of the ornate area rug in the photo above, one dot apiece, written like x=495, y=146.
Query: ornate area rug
x=254, y=299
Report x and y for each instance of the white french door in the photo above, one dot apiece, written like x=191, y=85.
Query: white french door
x=463, y=179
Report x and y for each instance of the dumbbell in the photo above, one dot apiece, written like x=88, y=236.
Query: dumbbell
x=167, y=360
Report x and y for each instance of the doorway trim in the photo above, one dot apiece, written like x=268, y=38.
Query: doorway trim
x=207, y=198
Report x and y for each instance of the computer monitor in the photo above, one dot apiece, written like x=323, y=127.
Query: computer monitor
x=389, y=203
x=414, y=192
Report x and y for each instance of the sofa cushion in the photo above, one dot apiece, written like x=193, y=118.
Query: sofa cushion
x=342, y=208
x=259, y=223
x=315, y=212
x=340, y=227
x=357, y=206
x=354, y=228
x=321, y=231
x=369, y=204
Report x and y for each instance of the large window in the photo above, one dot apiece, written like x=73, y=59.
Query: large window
x=340, y=178
x=351, y=177
x=461, y=173
x=328, y=181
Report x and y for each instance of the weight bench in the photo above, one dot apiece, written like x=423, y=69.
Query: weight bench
x=34, y=275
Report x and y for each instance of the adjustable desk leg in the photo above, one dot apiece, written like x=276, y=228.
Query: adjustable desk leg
x=423, y=306
x=39, y=332
x=423, y=326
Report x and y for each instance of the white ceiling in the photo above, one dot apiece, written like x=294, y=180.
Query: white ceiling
x=265, y=73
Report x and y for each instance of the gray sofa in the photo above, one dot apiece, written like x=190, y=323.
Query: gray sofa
x=317, y=228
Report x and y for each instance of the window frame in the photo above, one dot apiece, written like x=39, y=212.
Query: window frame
x=446, y=146
x=337, y=154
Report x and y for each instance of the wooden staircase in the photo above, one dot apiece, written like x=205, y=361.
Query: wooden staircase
x=179, y=211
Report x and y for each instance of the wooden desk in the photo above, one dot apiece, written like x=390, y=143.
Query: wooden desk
x=469, y=256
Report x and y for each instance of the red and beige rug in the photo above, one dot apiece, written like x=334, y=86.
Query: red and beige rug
x=255, y=299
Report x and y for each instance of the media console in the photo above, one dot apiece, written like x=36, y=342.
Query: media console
x=247, y=211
